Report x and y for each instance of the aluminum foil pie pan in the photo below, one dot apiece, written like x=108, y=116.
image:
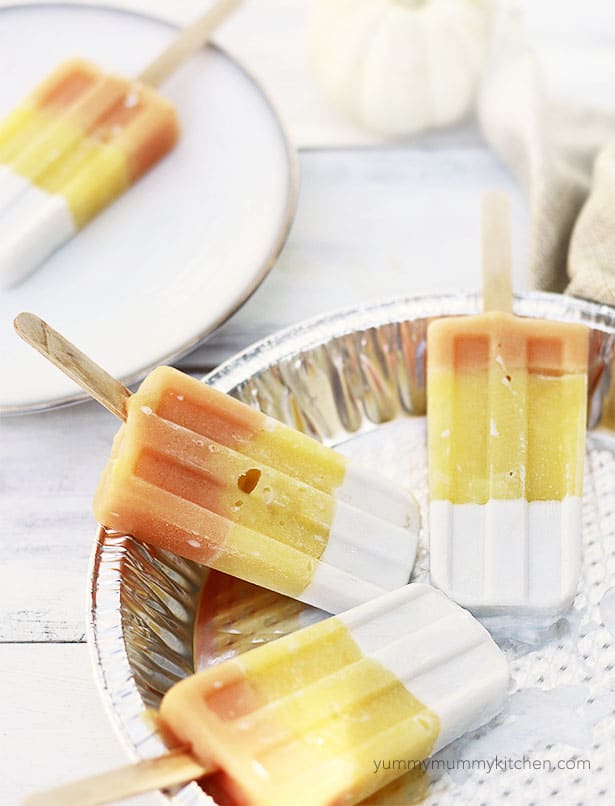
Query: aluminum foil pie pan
x=356, y=379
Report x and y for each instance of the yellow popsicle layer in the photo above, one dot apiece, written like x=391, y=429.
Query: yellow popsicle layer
x=522, y=439
x=506, y=415
x=89, y=174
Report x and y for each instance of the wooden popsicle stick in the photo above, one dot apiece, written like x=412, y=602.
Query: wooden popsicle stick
x=175, y=767
x=93, y=379
x=187, y=42
x=497, y=261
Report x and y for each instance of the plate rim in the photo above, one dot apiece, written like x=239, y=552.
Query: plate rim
x=290, y=209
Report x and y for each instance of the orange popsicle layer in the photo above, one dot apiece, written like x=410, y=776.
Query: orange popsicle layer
x=179, y=399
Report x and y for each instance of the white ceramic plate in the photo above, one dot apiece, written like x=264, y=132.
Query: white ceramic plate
x=175, y=256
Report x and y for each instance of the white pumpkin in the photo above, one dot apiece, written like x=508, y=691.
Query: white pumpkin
x=399, y=66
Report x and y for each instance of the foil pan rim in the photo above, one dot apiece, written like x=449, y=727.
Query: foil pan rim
x=310, y=333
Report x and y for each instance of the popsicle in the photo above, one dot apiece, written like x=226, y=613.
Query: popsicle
x=208, y=477
x=506, y=414
x=76, y=143
x=322, y=715
x=305, y=719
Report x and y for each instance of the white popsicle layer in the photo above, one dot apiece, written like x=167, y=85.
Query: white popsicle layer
x=371, y=548
x=365, y=556
x=440, y=653
x=507, y=556
x=33, y=224
x=364, y=489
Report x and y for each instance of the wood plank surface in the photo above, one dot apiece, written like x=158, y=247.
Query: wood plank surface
x=53, y=725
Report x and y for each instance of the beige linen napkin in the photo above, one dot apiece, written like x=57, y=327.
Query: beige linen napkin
x=551, y=148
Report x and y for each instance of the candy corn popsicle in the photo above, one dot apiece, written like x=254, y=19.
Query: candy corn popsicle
x=321, y=716
x=307, y=719
x=79, y=141
x=207, y=477
x=76, y=143
x=506, y=412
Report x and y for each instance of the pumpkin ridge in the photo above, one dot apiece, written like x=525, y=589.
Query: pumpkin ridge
x=385, y=14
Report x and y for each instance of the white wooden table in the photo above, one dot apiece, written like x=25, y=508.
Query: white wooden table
x=372, y=221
